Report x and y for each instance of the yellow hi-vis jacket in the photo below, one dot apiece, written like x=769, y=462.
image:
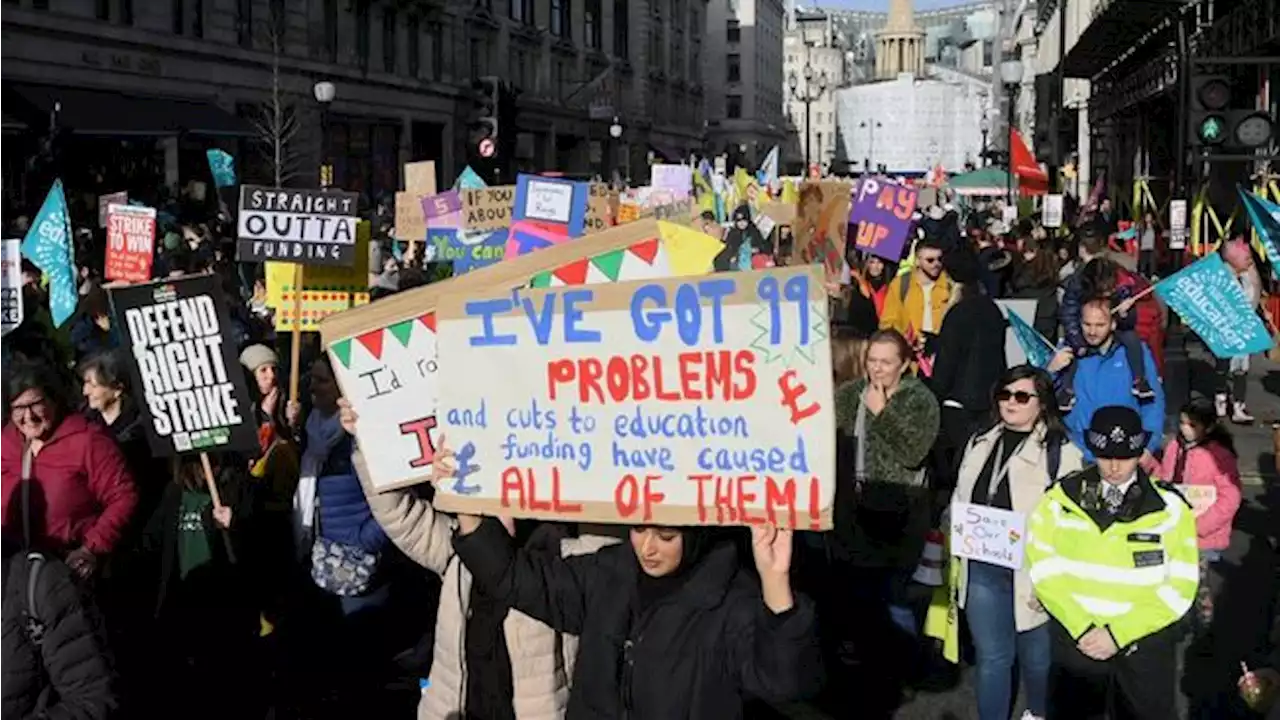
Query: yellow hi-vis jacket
x=1133, y=573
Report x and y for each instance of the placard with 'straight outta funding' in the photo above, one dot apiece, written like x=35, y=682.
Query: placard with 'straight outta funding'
x=309, y=227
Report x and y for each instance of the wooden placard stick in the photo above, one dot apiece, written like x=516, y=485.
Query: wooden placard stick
x=217, y=504
x=295, y=347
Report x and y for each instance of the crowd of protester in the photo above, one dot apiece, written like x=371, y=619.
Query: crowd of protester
x=128, y=592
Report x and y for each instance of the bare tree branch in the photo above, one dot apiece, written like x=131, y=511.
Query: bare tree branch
x=276, y=121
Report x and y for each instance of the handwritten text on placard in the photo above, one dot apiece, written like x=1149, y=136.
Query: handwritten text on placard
x=696, y=402
x=992, y=535
x=549, y=201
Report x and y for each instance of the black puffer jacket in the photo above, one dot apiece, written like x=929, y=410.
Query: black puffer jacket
x=694, y=654
x=67, y=676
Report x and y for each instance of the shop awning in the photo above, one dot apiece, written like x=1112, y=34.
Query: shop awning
x=98, y=112
x=1116, y=27
x=986, y=182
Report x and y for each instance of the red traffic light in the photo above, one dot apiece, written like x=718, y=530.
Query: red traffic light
x=1214, y=94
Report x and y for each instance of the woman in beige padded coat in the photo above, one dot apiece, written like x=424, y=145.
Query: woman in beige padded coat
x=541, y=659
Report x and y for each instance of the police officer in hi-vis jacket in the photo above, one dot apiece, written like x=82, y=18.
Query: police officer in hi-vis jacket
x=1113, y=559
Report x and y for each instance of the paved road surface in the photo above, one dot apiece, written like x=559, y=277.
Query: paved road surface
x=1249, y=572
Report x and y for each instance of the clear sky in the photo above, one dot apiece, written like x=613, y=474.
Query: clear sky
x=880, y=5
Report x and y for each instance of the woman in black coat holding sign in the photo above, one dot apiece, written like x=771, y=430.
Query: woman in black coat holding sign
x=205, y=619
x=670, y=626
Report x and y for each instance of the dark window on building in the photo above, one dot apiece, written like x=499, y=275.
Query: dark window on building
x=389, y=40
x=411, y=30
x=733, y=65
x=435, y=32
x=732, y=32
x=522, y=11
x=733, y=106
x=621, y=30
x=560, y=14
x=197, y=18
x=244, y=23
x=179, y=17
x=126, y=12
x=331, y=30
x=101, y=9
x=591, y=22
x=362, y=34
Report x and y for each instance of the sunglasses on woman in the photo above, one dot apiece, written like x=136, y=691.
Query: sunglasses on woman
x=1020, y=397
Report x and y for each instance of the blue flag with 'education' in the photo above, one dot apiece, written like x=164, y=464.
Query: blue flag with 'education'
x=48, y=244
x=223, y=167
x=1209, y=299
x=1265, y=217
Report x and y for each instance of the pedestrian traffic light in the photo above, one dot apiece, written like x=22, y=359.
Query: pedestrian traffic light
x=1218, y=124
x=485, y=121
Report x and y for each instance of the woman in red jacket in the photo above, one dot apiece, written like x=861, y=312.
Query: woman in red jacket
x=81, y=493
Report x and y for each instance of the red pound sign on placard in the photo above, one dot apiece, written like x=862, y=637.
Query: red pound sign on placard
x=791, y=395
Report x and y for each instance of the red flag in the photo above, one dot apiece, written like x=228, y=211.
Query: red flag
x=1032, y=180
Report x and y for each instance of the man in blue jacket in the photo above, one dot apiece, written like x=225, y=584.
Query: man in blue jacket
x=1104, y=377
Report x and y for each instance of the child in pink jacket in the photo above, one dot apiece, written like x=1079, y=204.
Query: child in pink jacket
x=1201, y=459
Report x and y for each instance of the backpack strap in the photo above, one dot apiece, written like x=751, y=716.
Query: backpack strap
x=31, y=613
x=27, y=460
x=1054, y=458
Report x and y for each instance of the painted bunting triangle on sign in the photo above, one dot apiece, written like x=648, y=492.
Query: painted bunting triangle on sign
x=541, y=280
x=646, y=250
x=609, y=263
x=574, y=273
x=342, y=351
x=429, y=320
x=402, y=331
x=372, y=341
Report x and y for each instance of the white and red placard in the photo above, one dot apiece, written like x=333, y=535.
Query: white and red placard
x=131, y=243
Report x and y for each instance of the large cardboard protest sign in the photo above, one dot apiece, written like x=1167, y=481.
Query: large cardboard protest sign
x=192, y=388
x=385, y=353
x=819, y=226
x=310, y=227
x=673, y=401
x=419, y=182
x=131, y=241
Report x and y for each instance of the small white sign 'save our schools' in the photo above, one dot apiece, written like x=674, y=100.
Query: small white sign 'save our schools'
x=311, y=227
x=988, y=534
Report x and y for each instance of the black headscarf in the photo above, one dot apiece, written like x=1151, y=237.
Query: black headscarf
x=649, y=589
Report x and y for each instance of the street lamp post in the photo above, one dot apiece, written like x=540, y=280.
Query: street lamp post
x=615, y=132
x=871, y=126
x=1011, y=76
x=325, y=92
x=814, y=87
